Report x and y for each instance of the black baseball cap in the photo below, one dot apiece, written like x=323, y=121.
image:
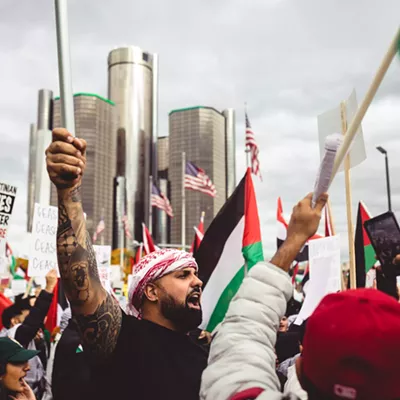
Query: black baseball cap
x=12, y=352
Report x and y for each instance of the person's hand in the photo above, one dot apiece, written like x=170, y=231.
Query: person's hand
x=51, y=280
x=204, y=335
x=65, y=159
x=26, y=394
x=305, y=219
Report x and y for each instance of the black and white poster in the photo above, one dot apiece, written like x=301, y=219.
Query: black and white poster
x=7, y=201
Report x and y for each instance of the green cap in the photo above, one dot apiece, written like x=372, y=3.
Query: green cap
x=12, y=352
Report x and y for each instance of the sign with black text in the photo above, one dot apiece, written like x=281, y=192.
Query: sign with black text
x=43, y=250
x=7, y=200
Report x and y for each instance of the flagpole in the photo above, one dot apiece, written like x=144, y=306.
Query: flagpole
x=183, y=220
x=350, y=228
x=150, y=205
x=247, y=149
x=64, y=66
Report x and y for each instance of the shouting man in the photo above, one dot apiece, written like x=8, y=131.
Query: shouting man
x=148, y=354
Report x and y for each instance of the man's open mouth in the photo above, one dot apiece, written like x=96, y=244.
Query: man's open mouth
x=194, y=301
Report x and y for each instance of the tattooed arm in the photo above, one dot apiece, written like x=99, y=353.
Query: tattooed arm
x=97, y=314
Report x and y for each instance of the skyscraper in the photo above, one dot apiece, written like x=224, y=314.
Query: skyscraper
x=200, y=132
x=96, y=122
x=40, y=136
x=132, y=87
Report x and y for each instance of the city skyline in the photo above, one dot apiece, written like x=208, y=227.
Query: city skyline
x=285, y=86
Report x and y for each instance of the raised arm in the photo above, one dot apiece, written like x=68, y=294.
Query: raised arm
x=97, y=313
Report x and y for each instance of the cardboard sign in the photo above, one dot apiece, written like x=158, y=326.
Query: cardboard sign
x=43, y=250
x=7, y=200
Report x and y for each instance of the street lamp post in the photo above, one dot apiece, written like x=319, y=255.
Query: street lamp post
x=384, y=152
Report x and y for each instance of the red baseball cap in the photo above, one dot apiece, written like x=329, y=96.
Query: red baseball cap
x=352, y=346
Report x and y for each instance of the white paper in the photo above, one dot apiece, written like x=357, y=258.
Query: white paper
x=43, y=249
x=3, y=265
x=331, y=122
x=325, y=273
x=103, y=255
x=2, y=247
x=18, y=286
x=7, y=201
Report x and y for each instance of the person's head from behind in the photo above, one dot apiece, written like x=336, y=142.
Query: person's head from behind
x=12, y=316
x=165, y=289
x=25, y=304
x=14, y=365
x=351, y=347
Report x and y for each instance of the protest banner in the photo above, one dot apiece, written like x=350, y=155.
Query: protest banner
x=7, y=200
x=43, y=249
x=103, y=259
x=325, y=273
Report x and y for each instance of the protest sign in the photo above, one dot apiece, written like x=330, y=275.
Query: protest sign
x=7, y=200
x=18, y=286
x=103, y=259
x=325, y=273
x=2, y=247
x=43, y=250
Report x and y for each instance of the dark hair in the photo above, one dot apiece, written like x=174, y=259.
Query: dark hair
x=9, y=313
x=287, y=345
x=23, y=303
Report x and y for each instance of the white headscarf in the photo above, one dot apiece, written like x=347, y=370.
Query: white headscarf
x=152, y=267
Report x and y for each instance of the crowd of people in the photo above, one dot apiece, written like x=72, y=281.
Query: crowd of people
x=154, y=349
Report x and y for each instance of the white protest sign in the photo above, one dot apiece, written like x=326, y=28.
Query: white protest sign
x=18, y=286
x=7, y=200
x=103, y=259
x=2, y=247
x=43, y=249
x=325, y=273
x=331, y=122
x=3, y=265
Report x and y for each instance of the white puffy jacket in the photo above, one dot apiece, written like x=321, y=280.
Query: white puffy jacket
x=242, y=358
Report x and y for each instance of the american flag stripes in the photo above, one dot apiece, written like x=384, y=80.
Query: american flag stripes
x=196, y=179
x=252, y=147
x=159, y=200
x=100, y=228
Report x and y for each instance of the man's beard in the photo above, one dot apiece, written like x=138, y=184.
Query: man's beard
x=185, y=318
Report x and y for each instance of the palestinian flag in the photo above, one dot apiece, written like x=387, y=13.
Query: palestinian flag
x=365, y=253
x=231, y=245
x=282, y=226
x=57, y=306
x=199, y=234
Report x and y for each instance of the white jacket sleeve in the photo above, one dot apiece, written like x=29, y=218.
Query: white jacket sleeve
x=242, y=354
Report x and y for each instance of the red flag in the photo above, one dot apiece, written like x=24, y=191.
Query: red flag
x=51, y=321
x=148, y=243
x=199, y=234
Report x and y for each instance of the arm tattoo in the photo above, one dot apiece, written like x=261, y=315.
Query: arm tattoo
x=100, y=330
x=98, y=316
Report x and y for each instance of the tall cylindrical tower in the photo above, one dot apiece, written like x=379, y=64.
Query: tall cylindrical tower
x=130, y=87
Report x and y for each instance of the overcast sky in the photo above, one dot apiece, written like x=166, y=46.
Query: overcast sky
x=290, y=60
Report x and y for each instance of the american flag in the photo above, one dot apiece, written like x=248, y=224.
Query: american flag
x=126, y=227
x=196, y=179
x=251, y=145
x=159, y=200
x=100, y=228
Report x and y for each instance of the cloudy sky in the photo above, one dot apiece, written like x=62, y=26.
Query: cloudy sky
x=290, y=60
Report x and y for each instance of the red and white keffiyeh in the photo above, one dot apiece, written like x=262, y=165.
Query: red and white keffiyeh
x=152, y=267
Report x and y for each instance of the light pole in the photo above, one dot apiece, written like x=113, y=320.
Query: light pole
x=384, y=152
